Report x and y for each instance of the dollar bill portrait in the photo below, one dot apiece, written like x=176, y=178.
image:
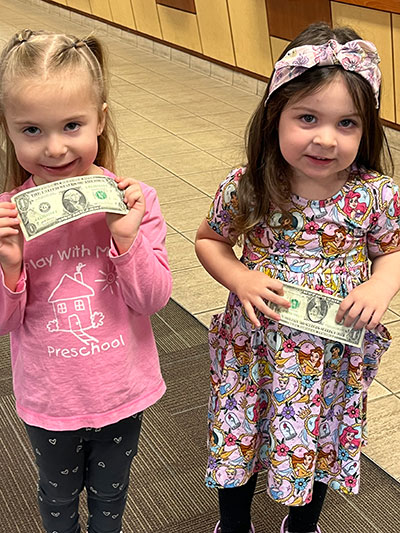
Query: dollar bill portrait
x=74, y=201
x=317, y=309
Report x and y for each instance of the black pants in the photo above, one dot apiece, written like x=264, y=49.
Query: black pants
x=98, y=459
x=235, y=509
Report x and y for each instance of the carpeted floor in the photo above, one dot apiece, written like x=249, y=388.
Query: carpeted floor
x=167, y=491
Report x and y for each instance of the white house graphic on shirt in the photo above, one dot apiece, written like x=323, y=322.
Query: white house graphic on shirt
x=71, y=302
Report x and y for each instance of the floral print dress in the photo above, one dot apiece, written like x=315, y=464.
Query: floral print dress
x=286, y=401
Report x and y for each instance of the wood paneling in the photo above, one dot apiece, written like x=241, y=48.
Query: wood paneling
x=215, y=31
x=277, y=47
x=146, y=17
x=287, y=18
x=122, y=13
x=82, y=5
x=396, y=59
x=374, y=26
x=382, y=5
x=251, y=36
x=180, y=28
x=183, y=5
x=101, y=8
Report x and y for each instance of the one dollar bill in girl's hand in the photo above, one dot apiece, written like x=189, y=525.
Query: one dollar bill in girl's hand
x=51, y=205
x=314, y=312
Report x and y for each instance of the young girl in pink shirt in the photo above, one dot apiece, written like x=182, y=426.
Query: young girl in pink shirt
x=77, y=300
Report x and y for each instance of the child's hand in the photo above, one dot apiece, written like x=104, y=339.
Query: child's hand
x=124, y=228
x=11, y=240
x=365, y=305
x=256, y=289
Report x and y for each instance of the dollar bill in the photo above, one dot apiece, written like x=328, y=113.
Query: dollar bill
x=46, y=207
x=314, y=312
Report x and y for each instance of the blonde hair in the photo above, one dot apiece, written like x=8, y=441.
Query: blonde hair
x=31, y=54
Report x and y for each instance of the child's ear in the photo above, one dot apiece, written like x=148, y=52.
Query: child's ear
x=102, y=120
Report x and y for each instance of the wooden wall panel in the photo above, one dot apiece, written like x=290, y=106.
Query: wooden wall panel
x=146, y=17
x=101, y=8
x=396, y=58
x=180, y=28
x=82, y=5
x=277, y=47
x=287, y=18
x=374, y=26
x=183, y=5
x=251, y=36
x=215, y=31
x=383, y=5
x=122, y=13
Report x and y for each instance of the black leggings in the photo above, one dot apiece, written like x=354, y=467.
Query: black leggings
x=235, y=509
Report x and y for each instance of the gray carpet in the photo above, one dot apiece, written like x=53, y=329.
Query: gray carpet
x=167, y=492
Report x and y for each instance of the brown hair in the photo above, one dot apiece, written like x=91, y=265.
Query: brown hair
x=31, y=54
x=266, y=179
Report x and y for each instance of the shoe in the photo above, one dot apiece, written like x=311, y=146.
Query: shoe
x=217, y=529
x=284, y=529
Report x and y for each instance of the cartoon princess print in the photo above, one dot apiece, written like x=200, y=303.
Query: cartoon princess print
x=311, y=362
x=333, y=244
x=353, y=208
x=348, y=439
x=327, y=460
x=392, y=244
x=303, y=465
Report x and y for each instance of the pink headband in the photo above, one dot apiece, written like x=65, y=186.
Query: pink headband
x=356, y=56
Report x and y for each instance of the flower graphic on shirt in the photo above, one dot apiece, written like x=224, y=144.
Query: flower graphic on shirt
x=109, y=279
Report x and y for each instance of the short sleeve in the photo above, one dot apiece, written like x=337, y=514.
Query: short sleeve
x=384, y=230
x=224, y=207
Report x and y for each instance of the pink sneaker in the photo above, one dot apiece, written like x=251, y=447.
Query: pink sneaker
x=284, y=529
x=217, y=529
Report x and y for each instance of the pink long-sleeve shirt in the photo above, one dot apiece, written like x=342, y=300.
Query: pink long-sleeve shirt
x=82, y=348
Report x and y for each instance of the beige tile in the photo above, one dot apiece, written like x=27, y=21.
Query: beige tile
x=190, y=235
x=234, y=157
x=171, y=188
x=384, y=435
x=389, y=317
x=389, y=369
x=180, y=126
x=163, y=110
x=214, y=139
x=181, y=253
x=207, y=106
x=207, y=181
x=196, y=291
x=229, y=94
x=205, y=318
x=186, y=215
x=163, y=145
x=142, y=169
x=234, y=119
x=395, y=304
x=376, y=391
x=187, y=162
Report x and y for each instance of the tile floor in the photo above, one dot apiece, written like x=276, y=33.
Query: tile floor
x=181, y=131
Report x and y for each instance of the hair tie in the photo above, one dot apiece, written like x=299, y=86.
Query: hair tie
x=24, y=36
x=78, y=44
x=355, y=56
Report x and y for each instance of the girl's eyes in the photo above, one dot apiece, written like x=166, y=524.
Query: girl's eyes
x=308, y=119
x=347, y=123
x=72, y=126
x=32, y=131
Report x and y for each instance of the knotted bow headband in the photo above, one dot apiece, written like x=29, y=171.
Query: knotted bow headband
x=355, y=56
